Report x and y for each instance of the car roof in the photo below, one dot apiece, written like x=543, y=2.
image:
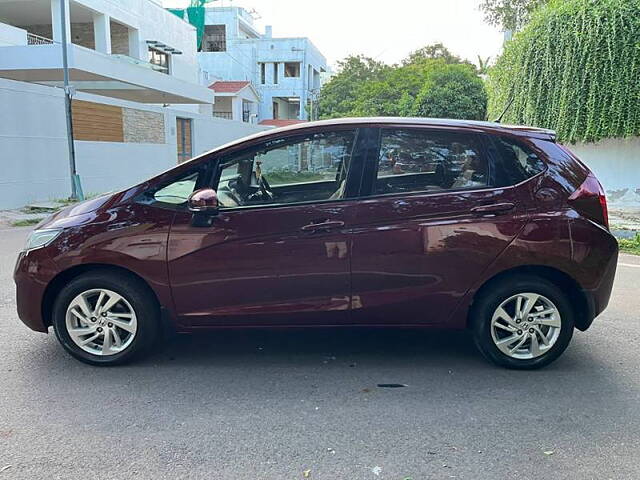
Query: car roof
x=476, y=125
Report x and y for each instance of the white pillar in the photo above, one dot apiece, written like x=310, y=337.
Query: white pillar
x=102, y=32
x=135, y=45
x=236, y=108
x=56, y=24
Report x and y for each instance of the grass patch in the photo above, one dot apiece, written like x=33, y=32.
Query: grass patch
x=65, y=202
x=27, y=222
x=280, y=177
x=630, y=245
x=38, y=210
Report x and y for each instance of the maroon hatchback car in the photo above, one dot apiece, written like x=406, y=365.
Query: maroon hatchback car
x=356, y=222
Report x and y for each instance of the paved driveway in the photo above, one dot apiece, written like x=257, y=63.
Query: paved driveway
x=271, y=405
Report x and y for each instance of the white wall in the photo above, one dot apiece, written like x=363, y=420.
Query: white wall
x=616, y=163
x=10, y=35
x=34, y=155
x=213, y=132
x=33, y=144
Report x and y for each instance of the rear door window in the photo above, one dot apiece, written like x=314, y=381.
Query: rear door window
x=423, y=160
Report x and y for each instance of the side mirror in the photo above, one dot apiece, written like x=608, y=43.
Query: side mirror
x=203, y=202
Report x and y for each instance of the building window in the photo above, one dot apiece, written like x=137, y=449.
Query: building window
x=263, y=73
x=215, y=38
x=184, y=139
x=292, y=69
x=275, y=73
x=159, y=59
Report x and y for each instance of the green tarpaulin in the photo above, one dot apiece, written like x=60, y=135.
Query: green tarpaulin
x=195, y=16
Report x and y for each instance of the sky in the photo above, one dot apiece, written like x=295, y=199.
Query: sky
x=385, y=30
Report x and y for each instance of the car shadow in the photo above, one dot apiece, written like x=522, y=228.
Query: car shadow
x=308, y=345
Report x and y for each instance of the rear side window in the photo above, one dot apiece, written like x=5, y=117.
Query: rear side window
x=421, y=160
x=515, y=162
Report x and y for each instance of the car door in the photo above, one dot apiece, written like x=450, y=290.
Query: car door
x=278, y=251
x=431, y=224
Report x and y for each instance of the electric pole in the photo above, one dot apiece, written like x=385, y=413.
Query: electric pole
x=76, y=190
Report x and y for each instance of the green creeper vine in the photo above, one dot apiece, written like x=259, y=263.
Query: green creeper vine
x=575, y=68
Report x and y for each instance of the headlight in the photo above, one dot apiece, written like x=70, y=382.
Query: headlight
x=42, y=238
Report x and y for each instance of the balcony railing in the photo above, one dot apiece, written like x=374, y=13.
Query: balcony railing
x=225, y=115
x=33, y=39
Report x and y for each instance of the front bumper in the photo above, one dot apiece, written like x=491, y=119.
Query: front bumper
x=33, y=272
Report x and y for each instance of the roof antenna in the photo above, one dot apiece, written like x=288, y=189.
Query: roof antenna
x=512, y=97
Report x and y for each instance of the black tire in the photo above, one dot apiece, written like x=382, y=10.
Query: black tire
x=134, y=291
x=489, y=299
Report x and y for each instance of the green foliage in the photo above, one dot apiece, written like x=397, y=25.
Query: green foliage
x=434, y=51
x=630, y=245
x=27, y=222
x=509, y=14
x=365, y=87
x=452, y=91
x=338, y=97
x=483, y=65
x=284, y=176
x=575, y=68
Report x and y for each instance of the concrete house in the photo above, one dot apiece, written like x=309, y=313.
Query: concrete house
x=286, y=72
x=237, y=101
x=139, y=105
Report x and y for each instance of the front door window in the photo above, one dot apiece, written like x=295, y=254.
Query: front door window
x=313, y=168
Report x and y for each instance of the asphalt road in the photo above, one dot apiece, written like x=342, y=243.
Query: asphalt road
x=271, y=405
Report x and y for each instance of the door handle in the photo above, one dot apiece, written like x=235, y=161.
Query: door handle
x=322, y=226
x=493, y=209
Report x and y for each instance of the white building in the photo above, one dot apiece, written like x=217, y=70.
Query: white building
x=139, y=107
x=237, y=101
x=285, y=72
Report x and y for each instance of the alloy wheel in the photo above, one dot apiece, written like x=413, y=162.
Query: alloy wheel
x=101, y=322
x=526, y=326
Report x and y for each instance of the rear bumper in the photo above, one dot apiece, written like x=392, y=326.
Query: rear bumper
x=595, y=253
x=597, y=299
x=34, y=270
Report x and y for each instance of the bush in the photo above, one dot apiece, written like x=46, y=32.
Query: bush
x=574, y=68
x=630, y=245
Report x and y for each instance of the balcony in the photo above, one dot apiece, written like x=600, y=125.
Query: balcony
x=225, y=115
x=112, y=44
x=39, y=60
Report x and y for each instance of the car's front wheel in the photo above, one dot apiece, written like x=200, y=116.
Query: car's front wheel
x=522, y=322
x=105, y=318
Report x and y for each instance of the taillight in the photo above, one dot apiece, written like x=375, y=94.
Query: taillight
x=590, y=200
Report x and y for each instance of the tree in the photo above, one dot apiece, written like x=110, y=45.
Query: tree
x=452, y=91
x=365, y=87
x=509, y=14
x=394, y=94
x=574, y=69
x=483, y=65
x=339, y=94
x=434, y=51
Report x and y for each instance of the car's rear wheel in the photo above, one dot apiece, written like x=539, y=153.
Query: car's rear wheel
x=522, y=322
x=105, y=318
